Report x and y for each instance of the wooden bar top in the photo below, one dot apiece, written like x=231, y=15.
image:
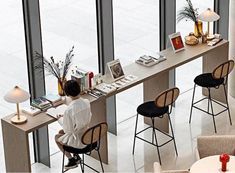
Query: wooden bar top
x=39, y=120
x=33, y=122
x=142, y=73
x=172, y=61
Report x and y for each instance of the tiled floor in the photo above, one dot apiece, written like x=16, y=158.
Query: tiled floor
x=69, y=22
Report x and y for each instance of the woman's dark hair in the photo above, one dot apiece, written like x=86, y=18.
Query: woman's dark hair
x=72, y=88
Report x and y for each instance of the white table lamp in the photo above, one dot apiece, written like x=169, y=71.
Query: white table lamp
x=17, y=95
x=209, y=16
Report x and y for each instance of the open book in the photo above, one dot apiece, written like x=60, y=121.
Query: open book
x=59, y=110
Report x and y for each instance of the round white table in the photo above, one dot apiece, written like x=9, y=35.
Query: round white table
x=212, y=164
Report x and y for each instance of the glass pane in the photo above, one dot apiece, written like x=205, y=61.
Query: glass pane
x=68, y=23
x=65, y=24
x=12, y=49
x=136, y=33
x=13, y=69
x=183, y=80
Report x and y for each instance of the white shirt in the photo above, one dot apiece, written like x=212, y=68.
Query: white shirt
x=75, y=122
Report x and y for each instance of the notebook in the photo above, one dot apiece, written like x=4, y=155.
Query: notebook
x=59, y=110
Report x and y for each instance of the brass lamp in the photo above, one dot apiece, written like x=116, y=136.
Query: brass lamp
x=209, y=16
x=17, y=95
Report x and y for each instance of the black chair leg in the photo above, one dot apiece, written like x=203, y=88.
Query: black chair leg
x=83, y=163
x=159, y=157
x=63, y=162
x=133, y=151
x=208, y=106
x=212, y=112
x=153, y=132
x=226, y=97
x=100, y=161
x=173, y=136
x=191, y=111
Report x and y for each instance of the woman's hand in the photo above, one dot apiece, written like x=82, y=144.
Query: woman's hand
x=59, y=116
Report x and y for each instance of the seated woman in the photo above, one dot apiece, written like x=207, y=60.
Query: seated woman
x=74, y=122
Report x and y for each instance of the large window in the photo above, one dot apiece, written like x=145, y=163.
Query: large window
x=184, y=79
x=13, y=69
x=136, y=33
x=65, y=24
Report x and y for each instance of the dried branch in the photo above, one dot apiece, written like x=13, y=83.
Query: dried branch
x=58, y=69
x=188, y=12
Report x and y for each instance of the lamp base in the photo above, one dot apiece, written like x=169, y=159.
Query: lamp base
x=210, y=37
x=22, y=119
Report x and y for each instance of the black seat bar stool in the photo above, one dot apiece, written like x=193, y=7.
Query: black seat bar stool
x=91, y=138
x=218, y=77
x=157, y=109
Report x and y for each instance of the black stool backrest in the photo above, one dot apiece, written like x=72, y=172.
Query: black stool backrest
x=94, y=134
x=167, y=97
x=223, y=70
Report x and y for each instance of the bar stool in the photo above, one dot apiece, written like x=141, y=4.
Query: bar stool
x=158, y=108
x=218, y=77
x=91, y=138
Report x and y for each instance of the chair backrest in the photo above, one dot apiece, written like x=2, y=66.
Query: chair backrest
x=95, y=133
x=215, y=145
x=223, y=70
x=167, y=97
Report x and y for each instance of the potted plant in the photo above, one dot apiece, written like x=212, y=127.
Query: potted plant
x=57, y=69
x=188, y=12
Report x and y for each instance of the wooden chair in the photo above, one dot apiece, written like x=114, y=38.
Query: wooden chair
x=157, y=169
x=218, y=77
x=158, y=108
x=91, y=138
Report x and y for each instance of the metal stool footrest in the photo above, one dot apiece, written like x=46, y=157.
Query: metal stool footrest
x=171, y=137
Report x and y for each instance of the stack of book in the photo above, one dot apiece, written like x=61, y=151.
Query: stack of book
x=31, y=110
x=82, y=77
x=54, y=99
x=41, y=103
x=147, y=60
x=47, y=101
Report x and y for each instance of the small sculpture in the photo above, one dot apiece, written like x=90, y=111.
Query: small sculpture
x=224, y=158
x=191, y=39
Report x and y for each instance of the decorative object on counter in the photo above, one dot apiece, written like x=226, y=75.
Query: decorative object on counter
x=176, y=42
x=115, y=69
x=190, y=13
x=224, y=158
x=204, y=38
x=58, y=69
x=17, y=95
x=191, y=39
x=98, y=79
x=61, y=83
x=209, y=16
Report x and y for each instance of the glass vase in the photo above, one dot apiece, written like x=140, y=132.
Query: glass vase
x=198, y=29
x=61, y=83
